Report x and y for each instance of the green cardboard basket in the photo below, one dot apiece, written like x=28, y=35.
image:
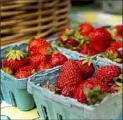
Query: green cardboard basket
x=57, y=107
x=14, y=91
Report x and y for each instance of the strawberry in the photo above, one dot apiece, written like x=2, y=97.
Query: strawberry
x=116, y=44
x=38, y=46
x=70, y=74
x=57, y=59
x=24, y=72
x=15, y=59
x=89, y=91
x=107, y=73
x=69, y=90
x=85, y=28
x=113, y=54
x=43, y=66
x=7, y=70
x=86, y=49
x=65, y=35
x=119, y=29
x=72, y=42
x=100, y=39
x=37, y=59
x=86, y=66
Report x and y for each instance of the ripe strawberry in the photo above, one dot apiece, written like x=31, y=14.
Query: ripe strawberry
x=7, y=70
x=72, y=42
x=116, y=44
x=24, y=72
x=119, y=29
x=86, y=66
x=86, y=49
x=113, y=54
x=107, y=73
x=100, y=39
x=15, y=59
x=86, y=28
x=57, y=59
x=65, y=35
x=37, y=59
x=38, y=46
x=43, y=66
x=68, y=90
x=70, y=74
x=89, y=91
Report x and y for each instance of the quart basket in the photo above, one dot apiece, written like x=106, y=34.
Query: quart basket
x=23, y=19
x=13, y=90
x=58, y=107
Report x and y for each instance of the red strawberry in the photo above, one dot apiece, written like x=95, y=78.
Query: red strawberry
x=38, y=46
x=86, y=66
x=57, y=59
x=24, y=72
x=7, y=70
x=111, y=49
x=43, y=66
x=119, y=29
x=37, y=59
x=65, y=35
x=72, y=42
x=100, y=39
x=107, y=73
x=85, y=28
x=113, y=54
x=70, y=74
x=86, y=49
x=15, y=59
x=89, y=91
x=116, y=44
x=68, y=90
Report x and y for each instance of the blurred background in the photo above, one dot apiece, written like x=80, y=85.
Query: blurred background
x=97, y=11
x=22, y=20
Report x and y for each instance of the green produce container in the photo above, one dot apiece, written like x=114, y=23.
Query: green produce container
x=57, y=107
x=14, y=91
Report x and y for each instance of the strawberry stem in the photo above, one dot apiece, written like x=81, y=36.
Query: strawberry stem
x=94, y=96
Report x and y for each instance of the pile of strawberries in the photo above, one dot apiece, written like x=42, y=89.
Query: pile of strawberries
x=39, y=56
x=89, y=40
x=77, y=80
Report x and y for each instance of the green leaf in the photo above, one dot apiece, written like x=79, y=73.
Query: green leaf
x=64, y=37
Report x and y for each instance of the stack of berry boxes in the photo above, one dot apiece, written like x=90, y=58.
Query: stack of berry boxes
x=66, y=76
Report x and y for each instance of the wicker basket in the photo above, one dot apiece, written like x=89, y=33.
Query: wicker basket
x=23, y=19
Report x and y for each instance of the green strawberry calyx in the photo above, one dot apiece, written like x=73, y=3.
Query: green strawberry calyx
x=113, y=33
x=68, y=33
x=7, y=70
x=15, y=55
x=112, y=56
x=94, y=96
x=87, y=60
x=50, y=51
x=78, y=37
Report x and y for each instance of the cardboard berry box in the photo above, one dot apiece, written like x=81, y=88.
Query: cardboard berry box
x=54, y=106
x=13, y=90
